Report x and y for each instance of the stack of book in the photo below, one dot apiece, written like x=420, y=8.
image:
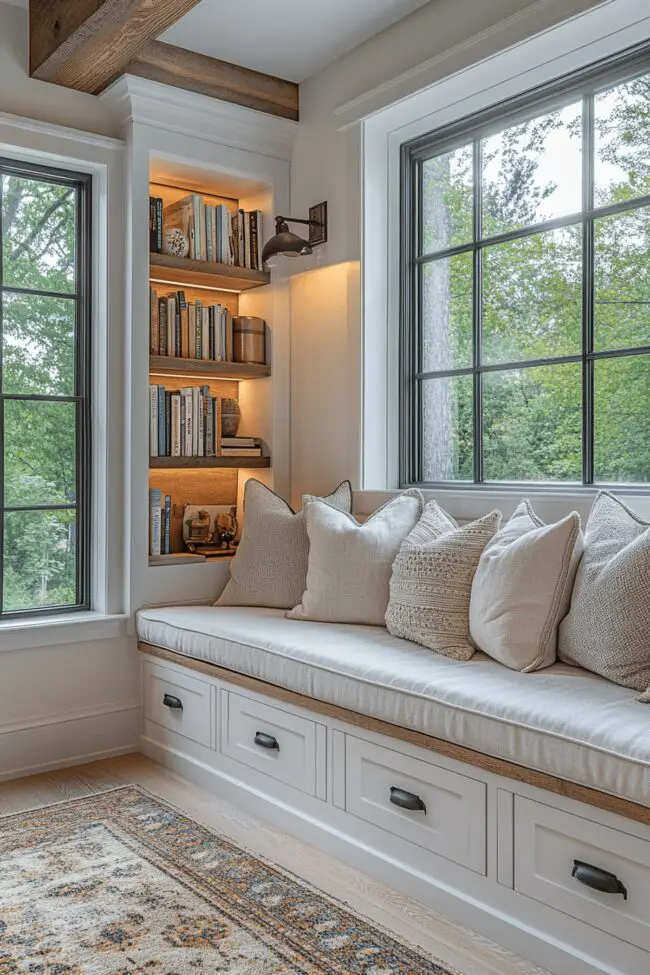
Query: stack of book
x=191, y=330
x=216, y=233
x=187, y=423
x=160, y=521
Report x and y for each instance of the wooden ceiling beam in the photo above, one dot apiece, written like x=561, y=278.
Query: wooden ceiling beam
x=180, y=68
x=86, y=44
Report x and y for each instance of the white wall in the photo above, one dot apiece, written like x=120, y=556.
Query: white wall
x=67, y=693
x=435, y=41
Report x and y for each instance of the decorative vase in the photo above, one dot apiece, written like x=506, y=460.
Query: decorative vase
x=230, y=417
x=176, y=243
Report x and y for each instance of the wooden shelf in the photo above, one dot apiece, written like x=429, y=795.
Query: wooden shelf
x=177, y=463
x=187, y=558
x=165, y=365
x=202, y=274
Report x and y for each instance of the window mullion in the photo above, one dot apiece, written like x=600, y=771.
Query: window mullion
x=477, y=309
x=588, y=261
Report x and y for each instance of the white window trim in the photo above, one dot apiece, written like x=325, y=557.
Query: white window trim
x=103, y=158
x=582, y=40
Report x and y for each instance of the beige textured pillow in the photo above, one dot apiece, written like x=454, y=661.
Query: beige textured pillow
x=432, y=581
x=270, y=567
x=607, y=629
x=522, y=589
x=350, y=564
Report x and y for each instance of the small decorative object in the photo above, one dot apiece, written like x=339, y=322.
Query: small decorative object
x=230, y=417
x=175, y=243
x=249, y=339
x=210, y=529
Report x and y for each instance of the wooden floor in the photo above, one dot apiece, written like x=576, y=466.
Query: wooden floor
x=458, y=947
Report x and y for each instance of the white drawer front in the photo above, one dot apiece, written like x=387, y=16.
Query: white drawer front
x=453, y=822
x=549, y=841
x=165, y=690
x=283, y=745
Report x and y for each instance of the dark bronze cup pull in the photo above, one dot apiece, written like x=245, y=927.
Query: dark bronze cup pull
x=266, y=741
x=172, y=702
x=597, y=878
x=406, y=800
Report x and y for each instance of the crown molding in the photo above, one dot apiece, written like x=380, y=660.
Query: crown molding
x=51, y=131
x=138, y=101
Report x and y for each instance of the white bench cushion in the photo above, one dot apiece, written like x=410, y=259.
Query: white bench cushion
x=561, y=720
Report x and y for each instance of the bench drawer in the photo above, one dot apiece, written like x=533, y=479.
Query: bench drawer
x=430, y=806
x=548, y=845
x=281, y=744
x=177, y=702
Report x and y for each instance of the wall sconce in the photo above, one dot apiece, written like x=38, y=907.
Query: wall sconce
x=288, y=244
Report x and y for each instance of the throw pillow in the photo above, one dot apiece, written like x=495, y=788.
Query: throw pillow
x=270, y=567
x=432, y=581
x=522, y=589
x=607, y=629
x=350, y=563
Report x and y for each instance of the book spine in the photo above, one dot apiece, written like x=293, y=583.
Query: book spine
x=168, y=525
x=204, y=249
x=176, y=425
x=205, y=334
x=198, y=319
x=162, y=326
x=218, y=229
x=218, y=409
x=209, y=212
x=259, y=225
x=185, y=330
x=159, y=224
x=171, y=326
x=161, y=422
x=213, y=352
x=154, y=521
x=209, y=433
x=195, y=423
x=241, y=451
x=181, y=398
x=154, y=334
x=153, y=421
x=168, y=424
x=189, y=422
x=253, y=239
x=241, y=238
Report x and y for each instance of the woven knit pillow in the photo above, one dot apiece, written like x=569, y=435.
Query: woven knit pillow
x=350, y=563
x=270, y=567
x=432, y=581
x=522, y=589
x=607, y=629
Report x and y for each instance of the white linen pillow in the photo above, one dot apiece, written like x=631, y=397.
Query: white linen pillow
x=607, y=629
x=432, y=581
x=350, y=563
x=270, y=567
x=522, y=589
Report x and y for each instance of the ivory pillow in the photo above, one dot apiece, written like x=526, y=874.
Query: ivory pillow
x=607, y=629
x=350, y=563
x=270, y=567
x=432, y=581
x=522, y=589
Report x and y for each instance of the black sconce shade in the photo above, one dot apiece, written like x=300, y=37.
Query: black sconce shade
x=288, y=244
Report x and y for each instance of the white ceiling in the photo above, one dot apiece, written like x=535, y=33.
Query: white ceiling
x=292, y=39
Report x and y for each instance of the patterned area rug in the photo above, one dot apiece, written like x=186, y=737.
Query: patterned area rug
x=123, y=884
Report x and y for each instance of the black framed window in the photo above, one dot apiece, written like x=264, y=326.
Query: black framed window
x=525, y=338
x=45, y=454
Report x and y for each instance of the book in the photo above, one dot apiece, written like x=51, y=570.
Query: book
x=155, y=518
x=175, y=425
x=162, y=433
x=247, y=238
x=167, y=547
x=240, y=441
x=180, y=215
x=189, y=423
x=241, y=238
x=154, y=334
x=155, y=224
x=153, y=421
x=241, y=451
x=171, y=326
x=162, y=327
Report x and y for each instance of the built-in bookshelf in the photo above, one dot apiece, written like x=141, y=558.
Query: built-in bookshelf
x=211, y=478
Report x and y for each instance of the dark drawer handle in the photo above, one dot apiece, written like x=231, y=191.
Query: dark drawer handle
x=172, y=702
x=597, y=878
x=267, y=741
x=406, y=800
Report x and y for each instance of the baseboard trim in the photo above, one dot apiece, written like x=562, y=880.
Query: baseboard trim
x=492, y=923
x=73, y=739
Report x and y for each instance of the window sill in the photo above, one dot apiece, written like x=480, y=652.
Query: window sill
x=47, y=631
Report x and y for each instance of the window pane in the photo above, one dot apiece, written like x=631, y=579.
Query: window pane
x=621, y=412
x=532, y=297
x=622, y=142
x=533, y=171
x=38, y=344
x=39, y=452
x=39, y=565
x=447, y=304
x=447, y=200
x=533, y=424
x=38, y=234
x=622, y=280
x=447, y=437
